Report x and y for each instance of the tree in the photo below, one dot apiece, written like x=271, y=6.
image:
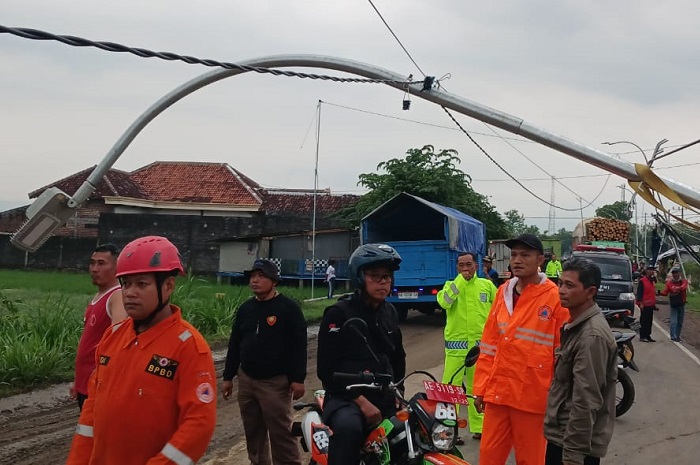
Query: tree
x=432, y=176
x=515, y=221
x=618, y=211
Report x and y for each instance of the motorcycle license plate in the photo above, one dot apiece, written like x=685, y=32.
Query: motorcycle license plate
x=445, y=393
x=627, y=353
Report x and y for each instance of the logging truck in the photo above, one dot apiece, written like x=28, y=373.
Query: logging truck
x=604, y=232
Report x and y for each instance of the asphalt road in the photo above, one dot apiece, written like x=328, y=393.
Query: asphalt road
x=663, y=425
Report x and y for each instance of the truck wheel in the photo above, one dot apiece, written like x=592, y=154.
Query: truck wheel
x=402, y=310
x=624, y=395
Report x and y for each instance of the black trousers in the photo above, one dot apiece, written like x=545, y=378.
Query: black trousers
x=645, y=320
x=554, y=456
x=81, y=400
x=349, y=431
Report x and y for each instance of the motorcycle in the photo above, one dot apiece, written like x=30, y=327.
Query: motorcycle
x=624, y=396
x=621, y=317
x=423, y=431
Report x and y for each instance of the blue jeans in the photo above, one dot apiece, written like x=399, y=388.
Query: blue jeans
x=677, y=314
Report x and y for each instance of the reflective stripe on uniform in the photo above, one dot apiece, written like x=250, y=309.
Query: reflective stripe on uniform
x=448, y=300
x=535, y=332
x=487, y=349
x=454, y=289
x=185, y=335
x=177, y=456
x=83, y=430
x=535, y=340
x=456, y=345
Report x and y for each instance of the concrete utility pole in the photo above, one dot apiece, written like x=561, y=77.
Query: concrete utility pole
x=53, y=208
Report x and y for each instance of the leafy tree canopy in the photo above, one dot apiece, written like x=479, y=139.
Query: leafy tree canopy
x=618, y=211
x=433, y=176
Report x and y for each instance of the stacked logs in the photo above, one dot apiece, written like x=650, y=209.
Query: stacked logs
x=607, y=229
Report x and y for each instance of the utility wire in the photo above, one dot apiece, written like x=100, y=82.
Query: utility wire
x=35, y=34
x=395, y=37
x=477, y=145
x=538, y=166
x=451, y=128
x=518, y=182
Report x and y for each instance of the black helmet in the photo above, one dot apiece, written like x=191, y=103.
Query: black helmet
x=371, y=256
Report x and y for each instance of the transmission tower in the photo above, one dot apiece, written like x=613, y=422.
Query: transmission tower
x=552, y=210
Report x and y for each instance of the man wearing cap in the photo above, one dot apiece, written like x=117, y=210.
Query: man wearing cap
x=677, y=289
x=489, y=272
x=646, y=301
x=267, y=351
x=466, y=301
x=516, y=364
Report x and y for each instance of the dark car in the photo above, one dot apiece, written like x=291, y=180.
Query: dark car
x=616, y=289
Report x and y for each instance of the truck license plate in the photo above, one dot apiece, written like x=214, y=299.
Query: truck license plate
x=408, y=295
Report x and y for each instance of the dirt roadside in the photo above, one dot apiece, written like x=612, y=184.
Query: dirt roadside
x=37, y=427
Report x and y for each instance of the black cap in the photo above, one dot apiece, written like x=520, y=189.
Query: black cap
x=266, y=267
x=487, y=259
x=528, y=240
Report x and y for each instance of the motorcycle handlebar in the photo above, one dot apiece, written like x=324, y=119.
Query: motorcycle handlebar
x=362, y=378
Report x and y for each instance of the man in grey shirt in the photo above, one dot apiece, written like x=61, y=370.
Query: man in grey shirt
x=581, y=403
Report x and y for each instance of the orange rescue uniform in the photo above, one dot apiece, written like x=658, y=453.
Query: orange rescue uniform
x=515, y=370
x=151, y=399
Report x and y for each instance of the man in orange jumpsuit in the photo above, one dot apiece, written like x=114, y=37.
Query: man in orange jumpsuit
x=151, y=399
x=515, y=367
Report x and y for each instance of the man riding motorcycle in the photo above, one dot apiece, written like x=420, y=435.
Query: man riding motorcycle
x=341, y=349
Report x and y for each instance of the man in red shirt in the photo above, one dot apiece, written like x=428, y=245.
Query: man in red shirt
x=646, y=301
x=104, y=310
x=677, y=289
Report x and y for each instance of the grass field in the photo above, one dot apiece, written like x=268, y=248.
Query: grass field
x=41, y=319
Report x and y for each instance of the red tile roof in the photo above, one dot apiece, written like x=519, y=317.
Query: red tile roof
x=302, y=201
x=114, y=183
x=196, y=182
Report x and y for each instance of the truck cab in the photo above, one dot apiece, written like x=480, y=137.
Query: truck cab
x=616, y=289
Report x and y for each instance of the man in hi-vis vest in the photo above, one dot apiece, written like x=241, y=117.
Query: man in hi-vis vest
x=466, y=301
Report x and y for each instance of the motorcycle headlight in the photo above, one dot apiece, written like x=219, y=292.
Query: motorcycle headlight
x=443, y=436
x=627, y=296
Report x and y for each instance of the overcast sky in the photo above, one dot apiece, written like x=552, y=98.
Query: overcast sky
x=591, y=71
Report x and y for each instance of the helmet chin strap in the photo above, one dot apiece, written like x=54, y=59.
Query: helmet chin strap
x=145, y=323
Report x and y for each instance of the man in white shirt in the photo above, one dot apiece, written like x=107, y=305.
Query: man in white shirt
x=330, y=277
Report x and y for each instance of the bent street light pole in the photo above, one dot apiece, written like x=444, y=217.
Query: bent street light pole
x=52, y=210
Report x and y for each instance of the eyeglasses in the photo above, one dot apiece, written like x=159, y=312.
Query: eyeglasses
x=378, y=278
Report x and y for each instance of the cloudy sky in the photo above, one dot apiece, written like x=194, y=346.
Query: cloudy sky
x=591, y=71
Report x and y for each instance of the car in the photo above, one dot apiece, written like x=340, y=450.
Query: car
x=616, y=289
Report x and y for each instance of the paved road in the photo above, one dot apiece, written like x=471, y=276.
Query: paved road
x=663, y=425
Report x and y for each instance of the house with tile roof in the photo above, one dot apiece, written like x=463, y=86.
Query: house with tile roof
x=196, y=204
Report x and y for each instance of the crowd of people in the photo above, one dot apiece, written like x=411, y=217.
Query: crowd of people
x=544, y=383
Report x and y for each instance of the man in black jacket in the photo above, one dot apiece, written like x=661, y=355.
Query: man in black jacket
x=267, y=351
x=342, y=349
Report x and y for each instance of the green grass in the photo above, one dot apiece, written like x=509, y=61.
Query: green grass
x=41, y=317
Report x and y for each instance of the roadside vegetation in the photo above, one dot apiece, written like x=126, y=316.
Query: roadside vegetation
x=41, y=319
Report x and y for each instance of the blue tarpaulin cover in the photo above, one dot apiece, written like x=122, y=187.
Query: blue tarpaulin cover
x=464, y=233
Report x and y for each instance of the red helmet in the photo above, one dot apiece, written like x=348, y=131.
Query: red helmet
x=150, y=254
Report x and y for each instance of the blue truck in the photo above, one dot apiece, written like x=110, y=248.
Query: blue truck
x=429, y=238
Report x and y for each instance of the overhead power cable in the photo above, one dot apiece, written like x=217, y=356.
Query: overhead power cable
x=498, y=165
x=451, y=128
x=35, y=34
x=396, y=37
x=538, y=166
x=481, y=148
